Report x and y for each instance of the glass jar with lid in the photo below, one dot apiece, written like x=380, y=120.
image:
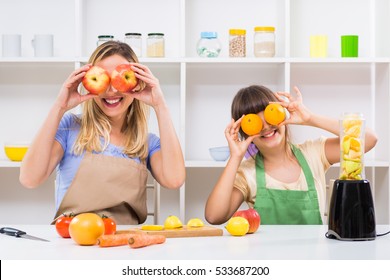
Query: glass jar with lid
x=264, y=41
x=104, y=38
x=134, y=40
x=208, y=45
x=155, y=45
x=237, y=42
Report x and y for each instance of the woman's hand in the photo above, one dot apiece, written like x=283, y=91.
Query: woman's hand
x=299, y=114
x=237, y=148
x=69, y=96
x=152, y=93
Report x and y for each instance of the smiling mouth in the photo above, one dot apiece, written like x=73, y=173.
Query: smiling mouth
x=112, y=101
x=268, y=134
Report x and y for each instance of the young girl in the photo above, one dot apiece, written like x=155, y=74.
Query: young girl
x=103, y=155
x=284, y=182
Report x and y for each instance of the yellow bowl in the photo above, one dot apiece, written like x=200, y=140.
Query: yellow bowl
x=15, y=152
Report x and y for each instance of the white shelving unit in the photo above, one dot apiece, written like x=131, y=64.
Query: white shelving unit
x=199, y=91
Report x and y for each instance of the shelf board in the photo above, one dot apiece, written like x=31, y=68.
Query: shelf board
x=165, y=60
x=38, y=59
x=9, y=163
x=270, y=60
x=209, y=163
x=205, y=163
x=337, y=60
x=370, y=163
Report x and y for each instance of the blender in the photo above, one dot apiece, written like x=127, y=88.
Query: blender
x=351, y=210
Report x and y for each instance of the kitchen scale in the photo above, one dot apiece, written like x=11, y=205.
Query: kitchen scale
x=351, y=210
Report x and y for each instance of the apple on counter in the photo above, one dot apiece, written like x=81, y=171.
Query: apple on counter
x=96, y=80
x=252, y=216
x=123, y=78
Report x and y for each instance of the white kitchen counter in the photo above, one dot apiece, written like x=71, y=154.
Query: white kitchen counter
x=269, y=242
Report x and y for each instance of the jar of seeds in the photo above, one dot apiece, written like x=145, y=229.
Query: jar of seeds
x=237, y=43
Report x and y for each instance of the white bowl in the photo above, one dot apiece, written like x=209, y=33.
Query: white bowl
x=220, y=153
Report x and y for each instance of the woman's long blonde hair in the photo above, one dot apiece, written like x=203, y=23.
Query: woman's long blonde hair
x=94, y=123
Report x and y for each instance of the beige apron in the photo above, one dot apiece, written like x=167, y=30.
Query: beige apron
x=108, y=185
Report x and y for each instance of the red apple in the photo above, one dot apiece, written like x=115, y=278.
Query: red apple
x=96, y=80
x=252, y=216
x=123, y=78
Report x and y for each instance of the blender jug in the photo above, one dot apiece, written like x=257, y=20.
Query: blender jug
x=351, y=210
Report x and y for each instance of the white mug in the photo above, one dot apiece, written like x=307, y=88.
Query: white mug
x=43, y=45
x=11, y=45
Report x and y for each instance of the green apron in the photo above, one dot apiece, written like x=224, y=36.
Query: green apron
x=284, y=206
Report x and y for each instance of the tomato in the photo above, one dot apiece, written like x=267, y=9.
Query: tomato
x=62, y=225
x=86, y=228
x=109, y=225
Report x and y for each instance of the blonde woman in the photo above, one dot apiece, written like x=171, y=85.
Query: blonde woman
x=103, y=155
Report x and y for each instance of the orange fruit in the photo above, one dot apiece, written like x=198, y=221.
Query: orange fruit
x=251, y=124
x=274, y=114
x=86, y=228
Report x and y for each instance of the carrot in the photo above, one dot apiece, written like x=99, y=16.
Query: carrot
x=111, y=240
x=142, y=240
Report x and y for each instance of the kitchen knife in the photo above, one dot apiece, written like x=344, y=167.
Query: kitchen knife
x=19, y=233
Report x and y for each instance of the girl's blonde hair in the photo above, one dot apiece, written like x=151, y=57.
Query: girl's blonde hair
x=94, y=123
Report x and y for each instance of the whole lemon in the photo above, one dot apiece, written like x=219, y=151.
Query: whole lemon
x=195, y=222
x=172, y=222
x=86, y=228
x=237, y=226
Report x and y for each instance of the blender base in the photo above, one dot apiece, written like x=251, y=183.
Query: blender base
x=351, y=211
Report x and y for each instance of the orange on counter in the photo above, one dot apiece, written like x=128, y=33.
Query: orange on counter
x=251, y=124
x=86, y=228
x=274, y=114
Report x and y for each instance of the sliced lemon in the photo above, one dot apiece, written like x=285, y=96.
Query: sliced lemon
x=172, y=222
x=152, y=227
x=196, y=222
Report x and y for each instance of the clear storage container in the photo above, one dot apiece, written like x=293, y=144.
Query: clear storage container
x=134, y=40
x=208, y=45
x=237, y=42
x=155, y=45
x=104, y=38
x=264, y=41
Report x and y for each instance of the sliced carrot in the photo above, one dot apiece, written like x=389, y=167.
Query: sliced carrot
x=142, y=240
x=112, y=240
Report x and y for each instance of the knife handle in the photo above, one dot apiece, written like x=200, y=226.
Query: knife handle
x=12, y=231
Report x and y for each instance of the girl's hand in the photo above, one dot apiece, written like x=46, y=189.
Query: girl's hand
x=69, y=96
x=237, y=148
x=299, y=114
x=152, y=94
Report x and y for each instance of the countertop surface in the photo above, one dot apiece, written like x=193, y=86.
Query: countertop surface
x=269, y=243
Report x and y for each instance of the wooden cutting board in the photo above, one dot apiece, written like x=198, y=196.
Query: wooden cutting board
x=180, y=232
